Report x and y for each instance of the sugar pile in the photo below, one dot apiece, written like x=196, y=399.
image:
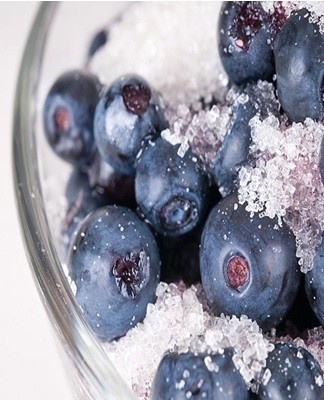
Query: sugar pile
x=202, y=132
x=180, y=321
x=170, y=44
x=315, y=9
x=285, y=181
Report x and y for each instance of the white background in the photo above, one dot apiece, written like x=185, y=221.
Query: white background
x=30, y=367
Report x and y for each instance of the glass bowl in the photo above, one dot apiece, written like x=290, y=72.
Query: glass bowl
x=57, y=43
x=55, y=27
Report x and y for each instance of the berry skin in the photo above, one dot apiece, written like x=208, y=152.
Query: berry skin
x=234, y=150
x=314, y=284
x=294, y=374
x=198, y=377
x=248, y=265
x=127, y=114
x=82, y=200
x=244, y=42
x=114, y=263
x=120, y=189
x=68, y=116
x=171, y=191
x=299, y=58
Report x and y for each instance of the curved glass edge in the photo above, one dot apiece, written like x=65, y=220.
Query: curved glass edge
x=95, y=372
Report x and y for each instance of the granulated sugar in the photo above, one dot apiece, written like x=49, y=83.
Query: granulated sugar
x=203, y=132
x=170, y=44
x=315, y=9
x=179, y=321
x=285, y=182
x=173, y=46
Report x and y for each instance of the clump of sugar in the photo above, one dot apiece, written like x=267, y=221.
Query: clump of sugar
x=170, y=44
x=315, y=10
x=202, y=132
x=284, y=180
x=179, y=322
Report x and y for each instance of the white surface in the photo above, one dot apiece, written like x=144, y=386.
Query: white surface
x=30, y=367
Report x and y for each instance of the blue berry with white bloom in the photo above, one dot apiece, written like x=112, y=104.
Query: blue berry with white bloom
x=115, y=265
x=128, y=114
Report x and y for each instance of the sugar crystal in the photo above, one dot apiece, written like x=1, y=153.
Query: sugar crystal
x=203, y=132
x=179, y=321
x=284, y=180
x=184, y=70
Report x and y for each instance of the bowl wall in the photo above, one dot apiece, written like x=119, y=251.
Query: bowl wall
x=58, y=41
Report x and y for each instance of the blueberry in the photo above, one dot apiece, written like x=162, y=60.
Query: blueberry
x=291, y=373
x=81, y=199
x=248, y=264
x=299, y=58
x=234, y=150
x=68, y=116
x=171, y=191
x=127, y=114
x=300, y=318
x=119, y=188
x=199, y=377
x=244, y=42
x=114, y=263
x=314, y=283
